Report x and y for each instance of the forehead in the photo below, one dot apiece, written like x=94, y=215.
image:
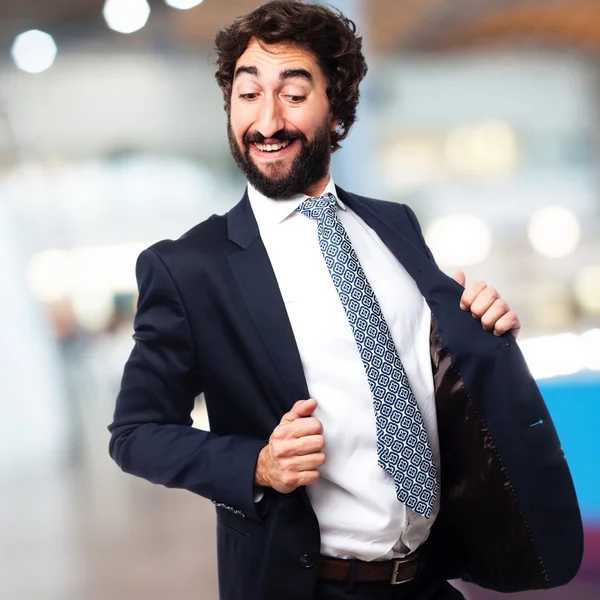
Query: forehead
x=271, y=59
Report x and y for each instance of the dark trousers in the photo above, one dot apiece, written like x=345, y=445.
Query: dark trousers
x=423, y=590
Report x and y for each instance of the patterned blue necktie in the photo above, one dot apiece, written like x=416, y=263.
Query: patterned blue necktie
x=402, y=443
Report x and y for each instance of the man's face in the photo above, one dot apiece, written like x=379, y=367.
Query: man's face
x=280, y=122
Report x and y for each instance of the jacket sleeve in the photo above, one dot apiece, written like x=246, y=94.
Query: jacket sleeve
x=417, y=227
x=152, y=434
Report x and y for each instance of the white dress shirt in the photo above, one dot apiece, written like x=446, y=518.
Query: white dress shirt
x=354, y=499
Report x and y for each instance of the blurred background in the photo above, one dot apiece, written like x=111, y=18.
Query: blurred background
x=484, y=116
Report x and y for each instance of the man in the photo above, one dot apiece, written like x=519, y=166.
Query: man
x=369, y=439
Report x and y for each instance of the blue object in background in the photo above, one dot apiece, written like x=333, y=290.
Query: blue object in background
x=574, y=404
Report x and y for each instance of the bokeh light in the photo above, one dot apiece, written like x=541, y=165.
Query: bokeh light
x=587, y=288
x=459, y=240
x=50, y=275
x=34, y=51
x=126, y=16
x=183, y=4
x=554, y=231
x=487, y=149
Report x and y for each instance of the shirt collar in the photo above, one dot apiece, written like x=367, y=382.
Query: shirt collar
x=269, y=211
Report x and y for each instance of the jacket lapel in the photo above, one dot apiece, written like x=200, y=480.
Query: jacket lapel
x=258, y=286
x=419, y=267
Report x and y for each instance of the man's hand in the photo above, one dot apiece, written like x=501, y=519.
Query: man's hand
x=294, y=452
x=485, y=304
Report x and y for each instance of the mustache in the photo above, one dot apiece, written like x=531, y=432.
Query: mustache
x=283, y=135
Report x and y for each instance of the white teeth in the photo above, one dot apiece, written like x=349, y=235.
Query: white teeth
x=272, y=147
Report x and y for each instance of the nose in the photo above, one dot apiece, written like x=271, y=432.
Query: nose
x=270, y=118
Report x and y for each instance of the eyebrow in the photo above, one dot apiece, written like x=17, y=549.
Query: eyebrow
x=293, y=73
x=287, y=74
x=245, y=69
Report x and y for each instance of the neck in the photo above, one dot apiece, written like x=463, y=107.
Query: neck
x=317, y=188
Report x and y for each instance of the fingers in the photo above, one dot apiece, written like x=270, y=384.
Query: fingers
x=478, y=297
x=303, y=446
x=496, y=310
x=495, y=314
x=294, y=461
x=298, y=429
x=310, y=444
x=298, y=464
x=295, y=449
x=291, y=480
x=508, y=321
x=460, y=277
x=302, y=408
x=288, y=448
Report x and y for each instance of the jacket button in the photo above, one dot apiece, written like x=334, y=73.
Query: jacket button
x=307, y=562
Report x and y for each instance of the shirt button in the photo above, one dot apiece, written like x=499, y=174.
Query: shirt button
x=307, y=562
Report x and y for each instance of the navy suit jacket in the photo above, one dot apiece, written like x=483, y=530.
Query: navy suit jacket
x=211, y=319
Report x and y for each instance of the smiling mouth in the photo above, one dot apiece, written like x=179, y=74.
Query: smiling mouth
x=273, y=147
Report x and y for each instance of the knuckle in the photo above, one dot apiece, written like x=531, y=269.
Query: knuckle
x=278, y=433
x=286, y=418
x=486, y=315
x=285, y=465
x=279, y=450
x=289, y=479
x=288, y=430
x=316, y=424
x=505, y=307
x=488, y=322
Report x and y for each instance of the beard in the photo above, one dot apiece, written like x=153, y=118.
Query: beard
x=309, y=165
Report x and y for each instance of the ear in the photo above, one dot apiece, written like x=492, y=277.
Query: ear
x=334, y=123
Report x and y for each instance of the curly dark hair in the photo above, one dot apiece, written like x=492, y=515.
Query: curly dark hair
x=326, y=33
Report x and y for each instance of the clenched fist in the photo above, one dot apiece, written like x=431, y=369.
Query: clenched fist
x=294, y=452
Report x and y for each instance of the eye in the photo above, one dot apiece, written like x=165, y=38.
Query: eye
x=296, y=99
x=251, y=96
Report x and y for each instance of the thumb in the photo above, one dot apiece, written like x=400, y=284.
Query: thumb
x=302, y=408
x=460, y=277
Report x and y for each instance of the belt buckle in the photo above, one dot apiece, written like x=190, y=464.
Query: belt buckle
x=397, y=562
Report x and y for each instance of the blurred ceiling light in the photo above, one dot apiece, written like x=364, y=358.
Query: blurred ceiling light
x=126, y=16
x=411, y=161
x=50, y=275
x=554, y=231
x=590, y=341
x=93, y=309
x=84, y=271
x=459, y=240
x=183, y=4
x=34, y=51
x=487, y=149
x=109, y=268
x=554, y=305
x=587, y=288
x=554, y=355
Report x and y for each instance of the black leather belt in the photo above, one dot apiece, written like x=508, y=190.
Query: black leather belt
x=400, y=570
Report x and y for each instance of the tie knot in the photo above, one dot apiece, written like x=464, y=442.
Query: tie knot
x=318, y=208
